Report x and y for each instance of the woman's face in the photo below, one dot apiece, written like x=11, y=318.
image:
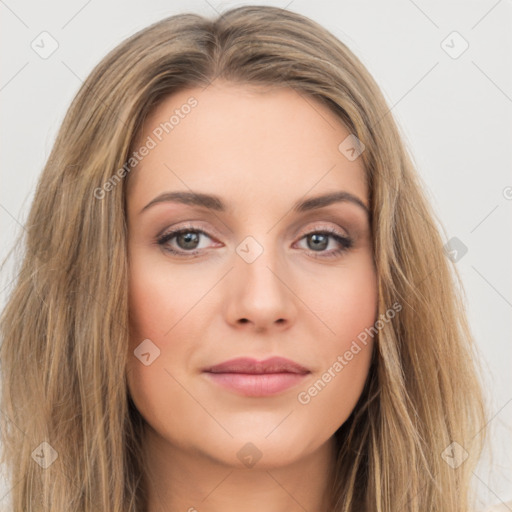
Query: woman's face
x=253, y=274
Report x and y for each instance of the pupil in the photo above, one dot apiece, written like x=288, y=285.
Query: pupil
x=188, y=238
x=315, y=238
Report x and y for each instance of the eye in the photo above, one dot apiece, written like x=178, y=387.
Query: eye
x=187, y=242
x=187, y=239
x=318, y=241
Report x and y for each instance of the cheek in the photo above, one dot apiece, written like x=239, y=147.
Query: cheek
x=346, y=301
x=348, y=308
x=151, y=306
x=155, y=315
x=159, y=298
x=152, y=313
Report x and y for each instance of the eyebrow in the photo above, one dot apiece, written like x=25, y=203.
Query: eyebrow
x=213, y=202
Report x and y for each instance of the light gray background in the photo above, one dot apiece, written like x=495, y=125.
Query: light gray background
x=455, y=115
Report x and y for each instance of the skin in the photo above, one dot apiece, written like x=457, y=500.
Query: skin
x=260, y=151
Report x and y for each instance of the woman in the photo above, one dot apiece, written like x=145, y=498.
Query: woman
x=234, y=293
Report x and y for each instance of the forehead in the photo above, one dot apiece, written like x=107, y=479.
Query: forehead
x=243, y=142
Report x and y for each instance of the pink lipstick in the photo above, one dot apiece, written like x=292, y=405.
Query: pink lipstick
x=250, y=377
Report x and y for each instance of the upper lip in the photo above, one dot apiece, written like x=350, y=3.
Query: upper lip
x=249, y=365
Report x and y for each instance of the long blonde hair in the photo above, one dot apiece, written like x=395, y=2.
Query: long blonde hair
x=64, y=328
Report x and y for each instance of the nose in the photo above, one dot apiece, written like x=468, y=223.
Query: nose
x=259, y=294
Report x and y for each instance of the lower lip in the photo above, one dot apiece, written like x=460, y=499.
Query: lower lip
x=264, y=384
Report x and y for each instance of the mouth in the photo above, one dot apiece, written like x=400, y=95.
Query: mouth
x=250, y=377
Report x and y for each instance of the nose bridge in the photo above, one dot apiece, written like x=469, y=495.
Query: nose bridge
x=258, y=261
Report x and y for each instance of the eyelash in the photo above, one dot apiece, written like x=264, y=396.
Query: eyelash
x=345, y=242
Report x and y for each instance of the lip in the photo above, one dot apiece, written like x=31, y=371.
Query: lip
x=251, y=377
x=253, y=366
